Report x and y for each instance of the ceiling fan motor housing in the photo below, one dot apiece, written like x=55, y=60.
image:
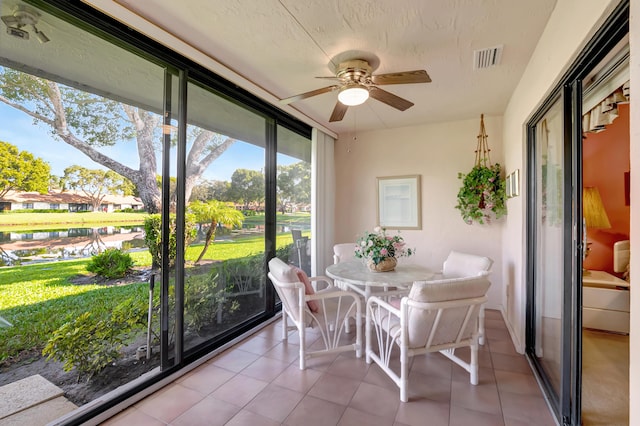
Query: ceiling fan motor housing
x=354, y=71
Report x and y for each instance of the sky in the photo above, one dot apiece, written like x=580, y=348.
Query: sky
x=17, y=128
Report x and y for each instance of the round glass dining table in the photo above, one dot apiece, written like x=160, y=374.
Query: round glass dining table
x=360, y=278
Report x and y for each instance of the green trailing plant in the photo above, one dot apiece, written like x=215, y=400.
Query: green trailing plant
x=111, y=263
x=482, y=195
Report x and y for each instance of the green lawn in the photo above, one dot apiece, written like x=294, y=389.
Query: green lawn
x=38, y=299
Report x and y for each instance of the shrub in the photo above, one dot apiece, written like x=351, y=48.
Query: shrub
x=203, y=296
x=111, y=263
x=87, y=343
x=153, y=237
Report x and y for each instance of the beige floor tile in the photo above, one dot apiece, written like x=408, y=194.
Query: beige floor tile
x=208, y=412
x=206, y=378
x=515, y=364
x=517, y=383
x=375, y=400
x=170, y=402
x=265, y=368
x=274, y=402
x=525, y=408
x=298, y=380
x=420, y=413
x=335, y=388
x=247, y=418
x=353, y=417
x=239, y=390
x=461, y=416
x=313, y=411
x=235, y=360
x=133, y=416
x=481, y=397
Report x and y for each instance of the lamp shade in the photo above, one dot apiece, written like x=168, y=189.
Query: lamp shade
x=593, y=210
x=353, y=95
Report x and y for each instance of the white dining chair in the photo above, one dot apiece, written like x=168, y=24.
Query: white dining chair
x=325, y=310
x=459, y=265
x=436, y=316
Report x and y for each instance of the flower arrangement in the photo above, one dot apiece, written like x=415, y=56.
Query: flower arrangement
x=376, y=246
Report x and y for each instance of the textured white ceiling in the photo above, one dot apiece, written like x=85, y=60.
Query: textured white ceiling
x=279, y=46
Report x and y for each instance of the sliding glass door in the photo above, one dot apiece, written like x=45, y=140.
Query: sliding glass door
x=554, y=239
x=555, y=236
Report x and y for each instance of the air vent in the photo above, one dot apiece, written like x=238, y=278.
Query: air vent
x=487, y=58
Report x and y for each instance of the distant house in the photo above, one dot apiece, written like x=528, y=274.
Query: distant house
x=72, y=201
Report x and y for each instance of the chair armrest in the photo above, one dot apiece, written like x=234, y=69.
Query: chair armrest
x=373, y=300
x=321, y=279
x=334, y=292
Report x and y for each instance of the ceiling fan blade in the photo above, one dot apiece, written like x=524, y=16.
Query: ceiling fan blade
x=405, y=77
x=308, y=94
x=338, y=112
x=390, y=99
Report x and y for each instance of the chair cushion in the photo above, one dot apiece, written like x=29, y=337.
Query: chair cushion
x=465, y=265
x=308, y=288
x=449, y=289
x=420, y=321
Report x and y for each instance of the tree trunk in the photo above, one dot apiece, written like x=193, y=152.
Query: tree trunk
x=211, y=233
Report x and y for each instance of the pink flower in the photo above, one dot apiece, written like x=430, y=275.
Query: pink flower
x=384, y=252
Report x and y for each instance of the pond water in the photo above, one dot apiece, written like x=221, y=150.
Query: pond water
x=26, y=247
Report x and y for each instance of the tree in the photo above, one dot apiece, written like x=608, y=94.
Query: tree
x=294, y=184
x=247, y=186
x=211, y=190
x=21, y=171
x=95, y=184
x=214, y=212
x=89, y=122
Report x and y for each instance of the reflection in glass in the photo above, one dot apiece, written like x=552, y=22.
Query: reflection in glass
x=549, y=269
x=224, y=282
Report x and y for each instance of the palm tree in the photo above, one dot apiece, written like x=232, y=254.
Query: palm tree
x=215, y=212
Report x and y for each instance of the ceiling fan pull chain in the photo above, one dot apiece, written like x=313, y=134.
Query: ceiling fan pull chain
x=482, y=149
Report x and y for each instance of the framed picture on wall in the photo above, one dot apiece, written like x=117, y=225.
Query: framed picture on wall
x=399, y=202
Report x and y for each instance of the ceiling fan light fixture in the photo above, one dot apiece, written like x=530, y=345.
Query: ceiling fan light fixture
x=353, y=95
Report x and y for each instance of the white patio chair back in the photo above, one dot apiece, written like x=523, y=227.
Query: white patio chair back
x=436, y=316
x=343, y=252
x=333, y=307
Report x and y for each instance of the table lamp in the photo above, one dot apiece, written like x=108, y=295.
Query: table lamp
x=594, y=214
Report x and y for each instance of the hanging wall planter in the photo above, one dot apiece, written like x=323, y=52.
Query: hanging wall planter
x=482, y=195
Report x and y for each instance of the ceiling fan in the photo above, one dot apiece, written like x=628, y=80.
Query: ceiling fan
x=357, y=84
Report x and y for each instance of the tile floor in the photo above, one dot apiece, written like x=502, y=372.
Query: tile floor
x=257, y=382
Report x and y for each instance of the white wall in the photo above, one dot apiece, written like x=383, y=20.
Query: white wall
x=437, y=152
x=571, y=25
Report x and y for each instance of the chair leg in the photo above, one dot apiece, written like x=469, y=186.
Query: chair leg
x=473, y=365
x=404, y=374
x=285, y=328
x=302, y=347
x=481, y=325
x=359, y=336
